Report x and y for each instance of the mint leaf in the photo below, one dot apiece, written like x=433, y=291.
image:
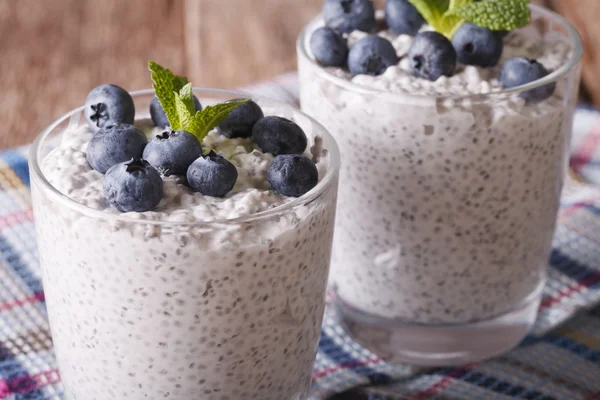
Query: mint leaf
x=186, y=96
x=211, y=116
x=179, y=82
x=202, y=122
x=165, y=84
x=458, y=3
x=431, y=10
x=441, y=5
x=436, y=14
x=184, y=115
x=495, y=15
x=449, y=24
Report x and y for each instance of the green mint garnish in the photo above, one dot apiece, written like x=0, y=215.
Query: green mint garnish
x=446, y=16
x=175, y=96
x=204, y=121
x=184, y=107
x=187, y=97
x=165, y=84
x=496, y=15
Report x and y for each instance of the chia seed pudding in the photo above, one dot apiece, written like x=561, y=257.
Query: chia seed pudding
x=200, y=297
x=449, y=187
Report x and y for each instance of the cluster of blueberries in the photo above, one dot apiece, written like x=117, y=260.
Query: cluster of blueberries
x=431, y=54
x=132, y=166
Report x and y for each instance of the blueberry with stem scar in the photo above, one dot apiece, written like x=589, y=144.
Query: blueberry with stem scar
x=108, y=104
x=431, y=56
x=133, y=185
x=172, y=152
x=479, y=46
x=212, y=175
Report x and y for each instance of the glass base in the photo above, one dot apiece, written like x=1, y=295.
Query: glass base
x=438, y=345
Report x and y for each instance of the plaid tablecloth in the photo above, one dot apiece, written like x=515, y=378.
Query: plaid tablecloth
x=554, y=362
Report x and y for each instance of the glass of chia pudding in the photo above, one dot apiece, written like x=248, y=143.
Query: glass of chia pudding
x=192, y=268
x=454, y=150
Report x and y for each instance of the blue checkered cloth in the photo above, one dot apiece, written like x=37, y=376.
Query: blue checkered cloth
x=559, y=360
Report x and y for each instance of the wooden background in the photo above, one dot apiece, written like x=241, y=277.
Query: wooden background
x=54, y=51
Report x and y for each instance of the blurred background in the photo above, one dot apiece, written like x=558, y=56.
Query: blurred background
x=52, y=52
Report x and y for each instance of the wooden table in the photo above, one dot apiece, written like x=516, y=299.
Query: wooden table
x=54, y=51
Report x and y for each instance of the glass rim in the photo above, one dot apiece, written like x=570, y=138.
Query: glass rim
x=575, y=40
x=38, y=176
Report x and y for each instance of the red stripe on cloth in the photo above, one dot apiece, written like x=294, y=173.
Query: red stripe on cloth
x=587, y=149
x=351, y=364
x=568, y=292
x=566, y=212
x=594, y=396
x=443, y=383
x=27, y=383
x=8, y=305
x=15, y=218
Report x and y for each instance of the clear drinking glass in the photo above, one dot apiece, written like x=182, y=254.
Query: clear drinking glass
x=447, y=206
x=144, y=309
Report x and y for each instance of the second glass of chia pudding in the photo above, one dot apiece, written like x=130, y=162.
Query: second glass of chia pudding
x=454, y=139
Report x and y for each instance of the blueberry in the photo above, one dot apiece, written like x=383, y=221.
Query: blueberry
x=431, y=56
x=241, y=120
x=293, y=175
x=133, y=185
x=520, y=71
x=329, y=47
x=402, y=17
x=108, y=104
x=479, y=46
x=277, y=135
x=348, y=15
x=172, y=152
x=212, y=175
x=115, y=144
x=372, y=55
x=157, y=113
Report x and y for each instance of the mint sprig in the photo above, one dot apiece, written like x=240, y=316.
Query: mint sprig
x=165, y=83
x=176, y=98
x=202, y=122
x=446, y=16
